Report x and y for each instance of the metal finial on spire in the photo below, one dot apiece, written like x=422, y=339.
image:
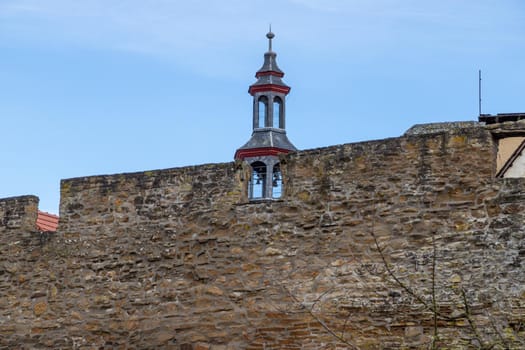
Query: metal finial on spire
x=270, y=36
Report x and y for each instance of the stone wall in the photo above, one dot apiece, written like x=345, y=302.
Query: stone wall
x=20, y=273
x=368, y=239
x=18, y=214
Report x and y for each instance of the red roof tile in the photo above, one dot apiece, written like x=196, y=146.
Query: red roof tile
x=46, y=222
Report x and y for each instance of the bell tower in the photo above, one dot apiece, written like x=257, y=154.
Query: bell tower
x=269, y=135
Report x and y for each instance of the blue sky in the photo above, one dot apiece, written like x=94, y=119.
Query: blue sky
x=93, y=87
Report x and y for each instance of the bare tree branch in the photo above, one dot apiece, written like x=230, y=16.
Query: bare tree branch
x=323, y=324
x=409, y=290
x=434, y=301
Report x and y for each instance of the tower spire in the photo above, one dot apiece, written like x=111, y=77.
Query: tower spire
x=270, y=36
x=268, y=138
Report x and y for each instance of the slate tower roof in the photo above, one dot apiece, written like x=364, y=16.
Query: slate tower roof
x=269, y=112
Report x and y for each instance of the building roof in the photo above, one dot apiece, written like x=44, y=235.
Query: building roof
x=46, y=222
x=269, y=76
x=501, y=117
x=268, y=138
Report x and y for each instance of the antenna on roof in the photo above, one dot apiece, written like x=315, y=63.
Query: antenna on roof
x=479, y=92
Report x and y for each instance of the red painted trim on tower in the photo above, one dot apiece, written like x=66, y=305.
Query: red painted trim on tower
x=268, y=87
x=269, y=72
x=260, y=152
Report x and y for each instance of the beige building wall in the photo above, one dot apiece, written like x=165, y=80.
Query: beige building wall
x=518, y=167
x=506, y=147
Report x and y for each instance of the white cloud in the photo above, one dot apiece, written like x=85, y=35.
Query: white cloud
x=176, y=29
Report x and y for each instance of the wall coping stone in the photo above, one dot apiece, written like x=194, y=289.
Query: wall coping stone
x=26, y=197
x=433, y=128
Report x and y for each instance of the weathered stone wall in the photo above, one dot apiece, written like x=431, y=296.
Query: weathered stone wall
x=18, y=214
x=179, y=258
x=21, y=274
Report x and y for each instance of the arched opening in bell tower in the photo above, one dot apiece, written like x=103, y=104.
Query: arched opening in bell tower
x=257, y=186
x=277, y=112
x=263, y=112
